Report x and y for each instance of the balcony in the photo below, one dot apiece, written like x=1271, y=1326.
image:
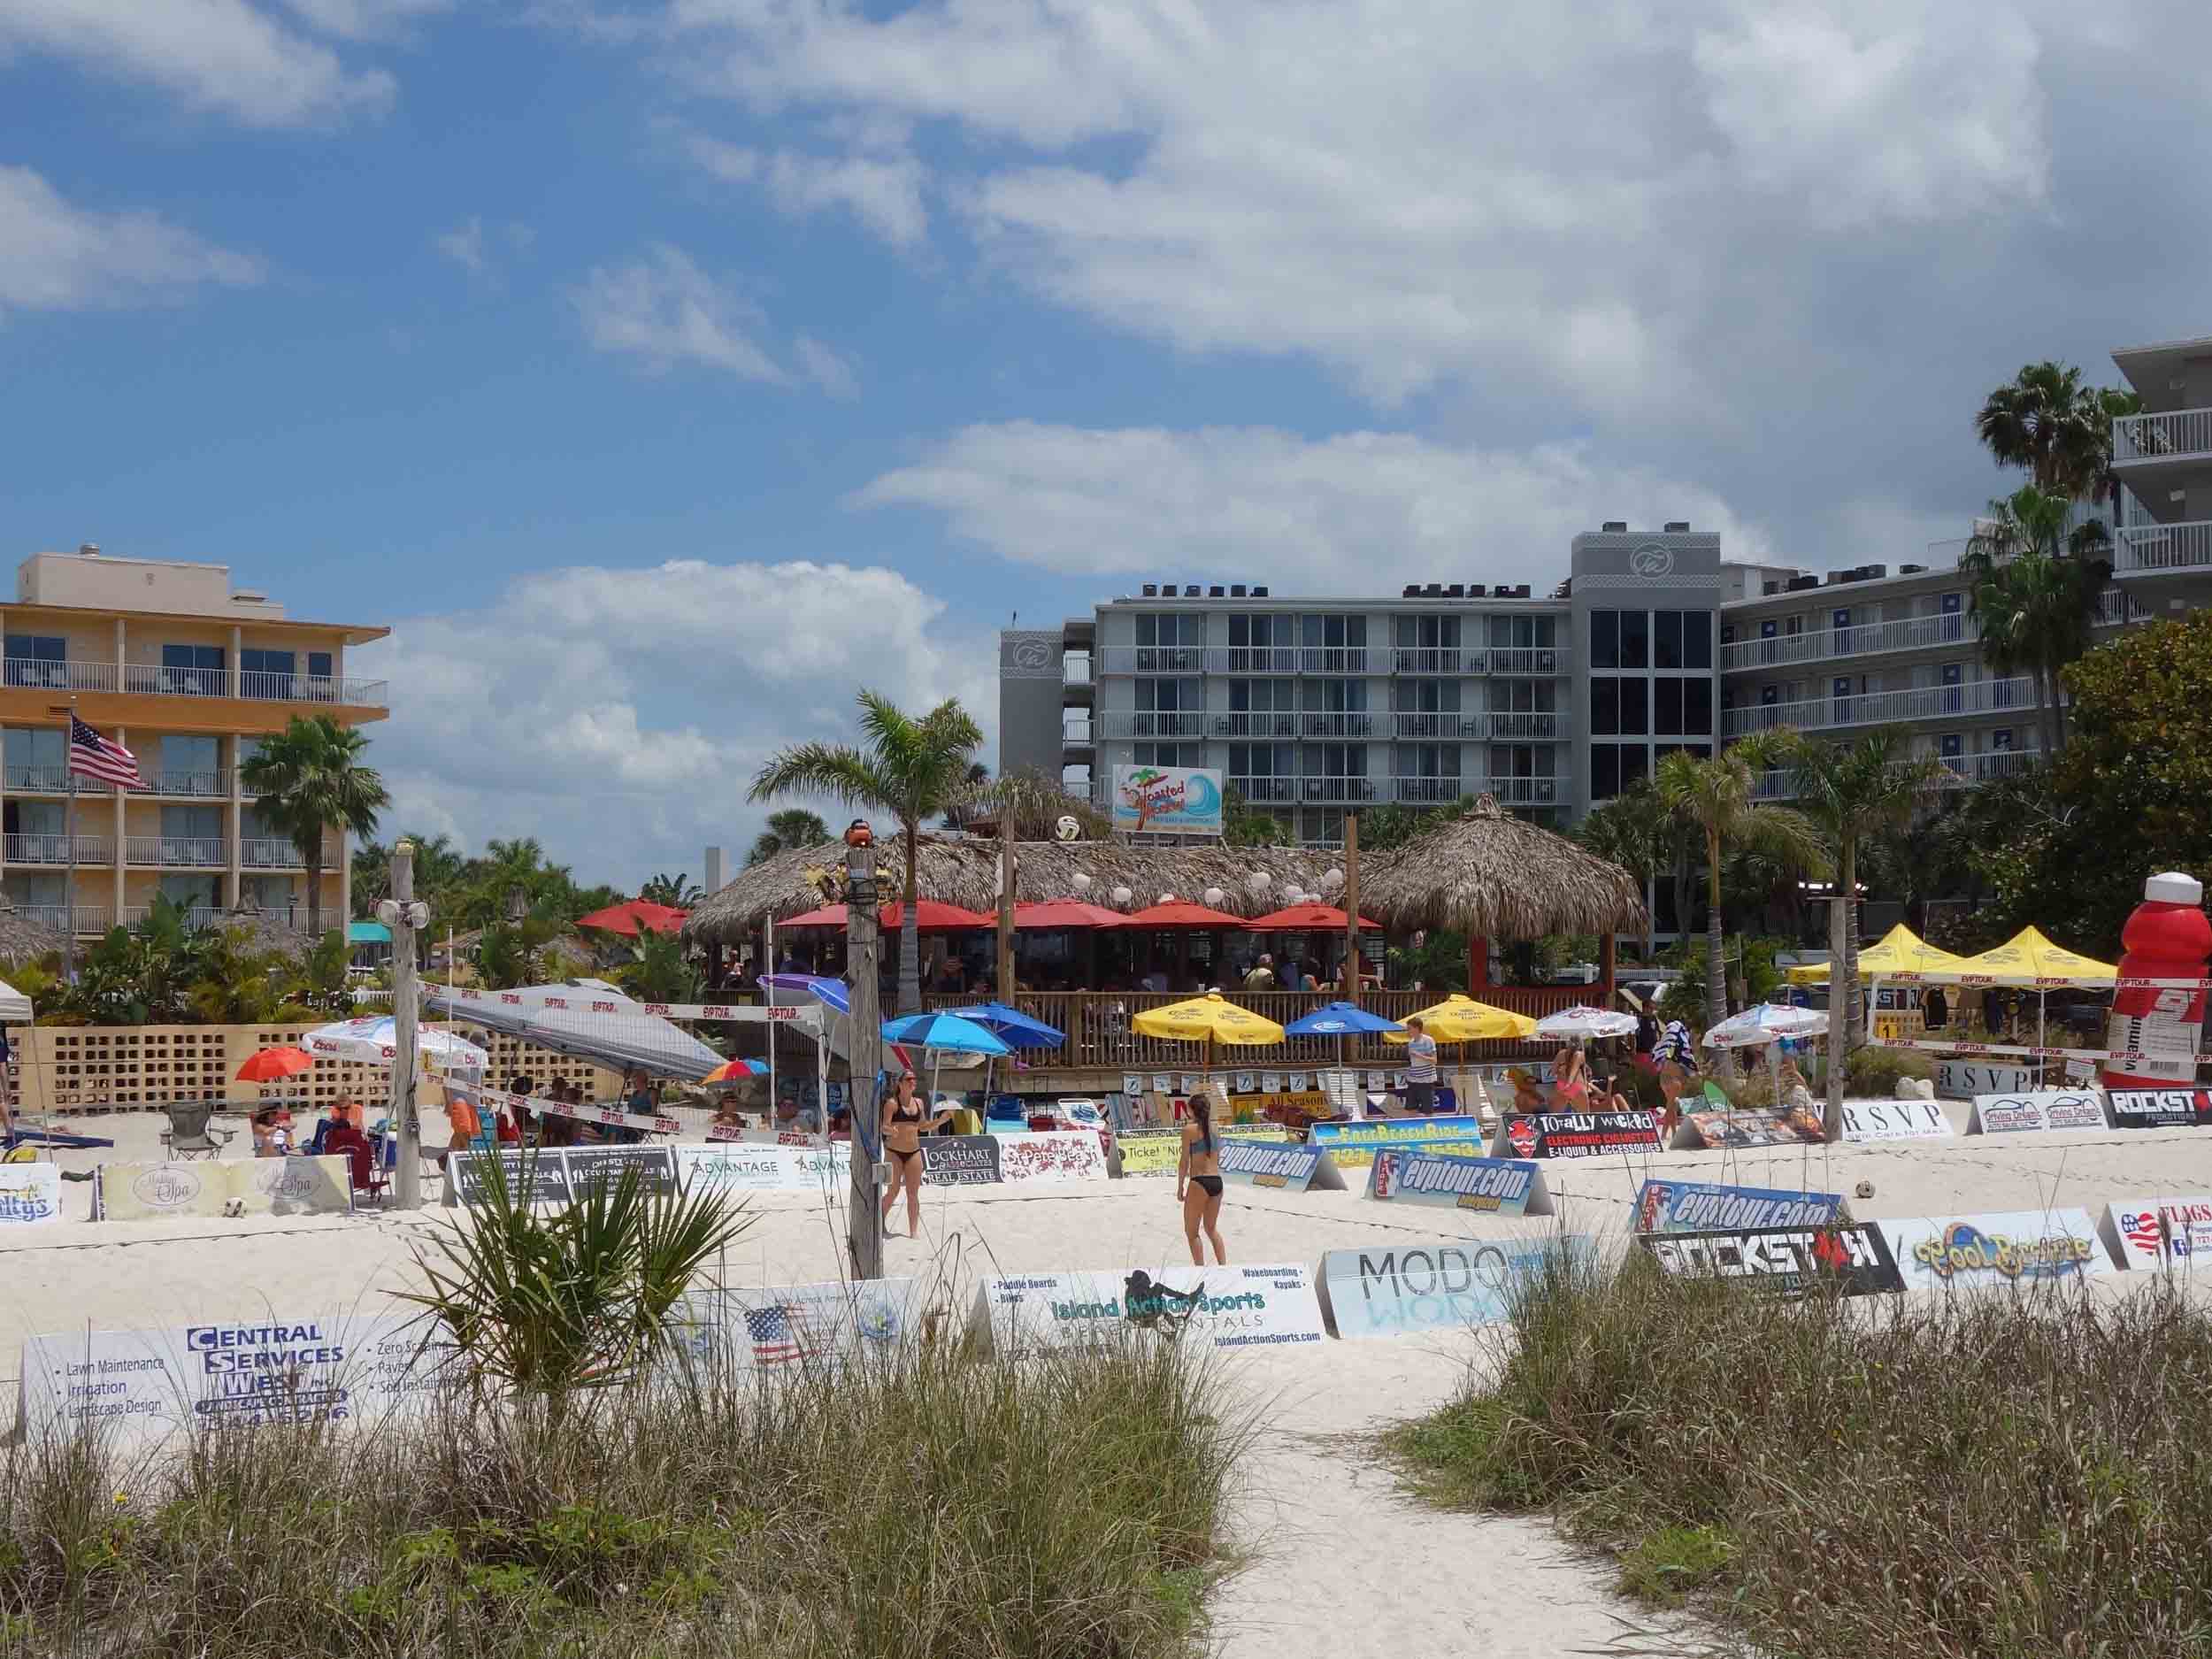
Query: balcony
x=79, y=918
x=270, y=855
x=1346, y=791
x=151, y=679
x=1266, y=791
x=1345, y=722
x=1439, y=725
x=1155, y=659
x=1440, y=659
x=199, y=785
x=1150, y=723
x=1964, y=770
x=2140, y=440
x=2162, y=550
x=177, y=852
x=55, y=849
x=1882, y=707
x=195, y=916
x=1908, y=633
x=1076, y=735
x=1528, y=659
x=1255, y=659
x=1524, y=727
x=1428, y=791
x=1256, y=723
x=1523, y=791
x=42, y=780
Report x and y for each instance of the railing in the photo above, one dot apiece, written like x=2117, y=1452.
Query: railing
x=1099, y=1037
x=1332, y=659
x=1268, y=791
x=1528, y=659
x=2115, y=607
x=196, y=916
x=1907, y=634
x=1523, y=791
x=1075, y=669
x=45, y=676
x=1429, y=791
x=2145, y=548
x=1879, y=707
x=1076, y=735
x=1346, y=791
x=268, y=854
x=80, y=919
x=153, y=679
x=1153, y=723
x=1256, y=723
x=1255, y=659
x=1965, y=772
x=1156, y=659
x=188, y=852
x=2184, y=431
x=1438, y=659
x=260, y=685
x=216, y=783
x=1444, y=726
x=42, y=780
x=54, y=850
x=1347, y=723
x=1508, y=727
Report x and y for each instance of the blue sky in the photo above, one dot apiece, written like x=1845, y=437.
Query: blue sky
x=657, y=369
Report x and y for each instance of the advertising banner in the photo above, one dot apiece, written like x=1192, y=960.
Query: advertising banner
x=556, y=1174
x=1856, y=1261
x=1399, y=1290
x=759, y=1167
x=1304, y=1105
x=1354, y=1145
x=1267, y=1305
x=2149, y=1235
x=796, y=1324
x=1051, y=1155
x=1734, y=1130
x=1488, y=1186
x=1167, y=801
x=1961, y=1078
x=2045, y=1110
x=1158, y=1151
x=1296, y=1169
x=1702, y=1206
x=2020, y=1247
x=224, y=1186
x=1868, y=1121
x=2160, y=1108
x=29, y=1193
x=1576, y=1135
x=961, y=1160
x=146, y=1385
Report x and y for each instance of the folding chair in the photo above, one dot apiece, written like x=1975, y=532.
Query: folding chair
x=189, y=1136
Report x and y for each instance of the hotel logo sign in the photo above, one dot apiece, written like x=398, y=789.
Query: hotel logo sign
x=1653, y=559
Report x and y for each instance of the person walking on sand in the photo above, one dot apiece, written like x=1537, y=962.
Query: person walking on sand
x=1198, y=1182
x=903, y=1122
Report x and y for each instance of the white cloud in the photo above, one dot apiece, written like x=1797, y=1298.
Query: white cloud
x=364, y=19
x=58, y=257
x=619, y=715
x=1362, y=512
x=476, y=248
x=883, y=192
x=664, y=310
x=224, y=56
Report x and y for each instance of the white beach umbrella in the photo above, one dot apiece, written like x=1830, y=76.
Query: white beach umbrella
x=373, y=1039
x=588, y=1019
x=1586, y=1022
x=1768, y=1022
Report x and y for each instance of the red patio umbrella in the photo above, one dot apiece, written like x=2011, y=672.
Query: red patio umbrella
x=1303, y=919
x=1182, y=913
x=271, y=1063
x=1050, y=914
x=931, y=916
x=634, y=917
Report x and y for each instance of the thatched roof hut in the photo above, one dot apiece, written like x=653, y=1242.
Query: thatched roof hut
x=1494, y=875
x=23, y=940
x=964, y=870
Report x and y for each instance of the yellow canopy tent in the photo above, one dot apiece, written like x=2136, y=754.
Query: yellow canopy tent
x=2028, y=958
x=1903, y=955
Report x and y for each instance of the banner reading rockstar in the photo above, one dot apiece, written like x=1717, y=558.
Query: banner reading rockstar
x=1854, y=1261
x=2161, y=1108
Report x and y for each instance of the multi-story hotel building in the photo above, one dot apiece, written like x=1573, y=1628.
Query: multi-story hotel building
x=190, y=674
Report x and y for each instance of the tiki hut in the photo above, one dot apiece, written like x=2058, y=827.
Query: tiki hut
x=1494, y=875
x=963, y=870
x=24, y=940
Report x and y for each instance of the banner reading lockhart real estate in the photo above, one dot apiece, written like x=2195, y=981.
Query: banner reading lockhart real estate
x=1490, y=1186
x=2016, y=1247
x=2030, y=1113
x=1576, y=1135
x=1262, y=1305
x=1422, y=1287
x=1703, y=1207
x=1354, y=1145
x=1788, y=1260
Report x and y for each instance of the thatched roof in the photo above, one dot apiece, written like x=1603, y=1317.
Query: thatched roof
x=964, y=870
x=1488, y=872
x=23, y=940
x=264, y=931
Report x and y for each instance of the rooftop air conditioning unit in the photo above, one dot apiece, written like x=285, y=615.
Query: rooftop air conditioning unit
x=1434, y=590
x=1191, y=592
x=1838, y=576
x=1799, y=584
x=1910, y=570
x=1236, y=590
x=1259, y=593
x=1476, y=590
x=1616, y=526
x=1874, y=573
x=1457, y=590
x=1412, y=591
x=1152, y=590
x=1216, y=592
x=1770, y=588
x=1678, y=526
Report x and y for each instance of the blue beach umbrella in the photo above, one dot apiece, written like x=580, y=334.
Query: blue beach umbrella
x=943, y=1031
x=1011, y=1026
x=1339, y=1020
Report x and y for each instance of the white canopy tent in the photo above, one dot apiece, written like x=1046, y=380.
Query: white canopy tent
x=588, y=1019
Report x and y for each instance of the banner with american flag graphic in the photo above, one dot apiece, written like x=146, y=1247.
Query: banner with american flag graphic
x=782, y=1332
x=95, y=757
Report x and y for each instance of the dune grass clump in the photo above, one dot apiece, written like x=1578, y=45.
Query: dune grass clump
x=946, y=1503
x=1969, y=1476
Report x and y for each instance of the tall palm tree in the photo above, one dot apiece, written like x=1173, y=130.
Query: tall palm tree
x=2035, y=589
x=1852, y=792
x=912, y=769
x=791, y=828
x=679, y=893
x=1717, y=796
x=1635, y=831
x=2045, y=419
x=311, y=779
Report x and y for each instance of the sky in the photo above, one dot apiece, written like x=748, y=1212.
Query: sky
x=661, y=371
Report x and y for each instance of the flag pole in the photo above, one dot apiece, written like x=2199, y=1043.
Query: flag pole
x=69, y=833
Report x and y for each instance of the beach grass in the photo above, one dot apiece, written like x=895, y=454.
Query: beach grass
x=1999, y=1476
x=947, y=1503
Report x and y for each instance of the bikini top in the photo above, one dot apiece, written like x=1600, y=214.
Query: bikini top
x=898, y=1116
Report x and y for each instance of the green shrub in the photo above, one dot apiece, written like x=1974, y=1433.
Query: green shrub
x=1873, y=1072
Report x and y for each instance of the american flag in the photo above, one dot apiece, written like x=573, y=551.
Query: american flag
x=780, y=1334
x=95, y=757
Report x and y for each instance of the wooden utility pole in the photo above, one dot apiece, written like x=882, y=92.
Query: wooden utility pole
x=1006, y=905
x=864, y=1227
x=403, y=923
x=1840, y=996
x=1351, y=909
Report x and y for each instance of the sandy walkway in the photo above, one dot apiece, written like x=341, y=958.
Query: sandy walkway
x=1345, y=1564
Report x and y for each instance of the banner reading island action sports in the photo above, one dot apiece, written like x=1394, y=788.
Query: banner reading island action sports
x=1167, y=800
x=1229, y=1307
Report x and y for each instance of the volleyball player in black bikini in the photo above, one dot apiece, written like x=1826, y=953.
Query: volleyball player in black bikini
x=902, y=1123
x=1198, y=1182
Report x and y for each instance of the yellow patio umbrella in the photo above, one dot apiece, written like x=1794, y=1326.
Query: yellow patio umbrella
x=1903, y=955
x=2029, y=958
x=1460, y=1018
x=1208, y=1019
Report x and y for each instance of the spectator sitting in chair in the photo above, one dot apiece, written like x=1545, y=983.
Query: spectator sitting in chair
x=462, y=1121
x=272, y=1131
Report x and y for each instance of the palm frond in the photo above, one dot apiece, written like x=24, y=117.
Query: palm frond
x=843, y=775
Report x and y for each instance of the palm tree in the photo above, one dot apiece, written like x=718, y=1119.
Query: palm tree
x=791, y=828
x=912, y=769
x=1853, y=792
x=1717, y=796
x=310, y=780
x=679, y=893
x=1635, y=831
x=2035, y=594
x=2045, y=419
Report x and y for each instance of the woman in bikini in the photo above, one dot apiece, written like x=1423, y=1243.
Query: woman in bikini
x=1198, y=1182
x=902, y=1123
x=1570, y=1077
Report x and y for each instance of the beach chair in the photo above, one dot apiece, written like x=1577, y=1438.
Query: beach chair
x=189, y=1136
x=367, y=1181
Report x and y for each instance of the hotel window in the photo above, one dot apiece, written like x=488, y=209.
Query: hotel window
x=1635, y=714
x=1635, y=639
x=37, y=659
x=1605, y=638
x=1506, y=632
x=1605, y=708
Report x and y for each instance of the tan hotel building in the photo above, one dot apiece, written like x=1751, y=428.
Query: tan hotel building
x=190, y=674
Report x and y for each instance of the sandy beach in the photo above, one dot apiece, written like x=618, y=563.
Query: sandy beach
x=1333, y=1543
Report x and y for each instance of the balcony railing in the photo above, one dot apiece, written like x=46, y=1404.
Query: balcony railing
x=152, y=679
x=1881, y=707
x=178, y=852
x=1255, y=659
x=1256, y=723
x=1908, y=633
x=54, y=850
x=2181, y=433
x=1965, y=772
x=1429, y=791
x=1528, y=659
x=1266, y=791
x=214, y=784
x=80, y=919
x=1440, y=659
x=42, y=780
x=2148, y=549
x=1156, y=659
x=268, y=854
x=195, y=915
x=1440, y=726
x=1151, y=722
x=1332, y=791
x=1517, y=726
x=1523, y=791
x=1344, y=723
